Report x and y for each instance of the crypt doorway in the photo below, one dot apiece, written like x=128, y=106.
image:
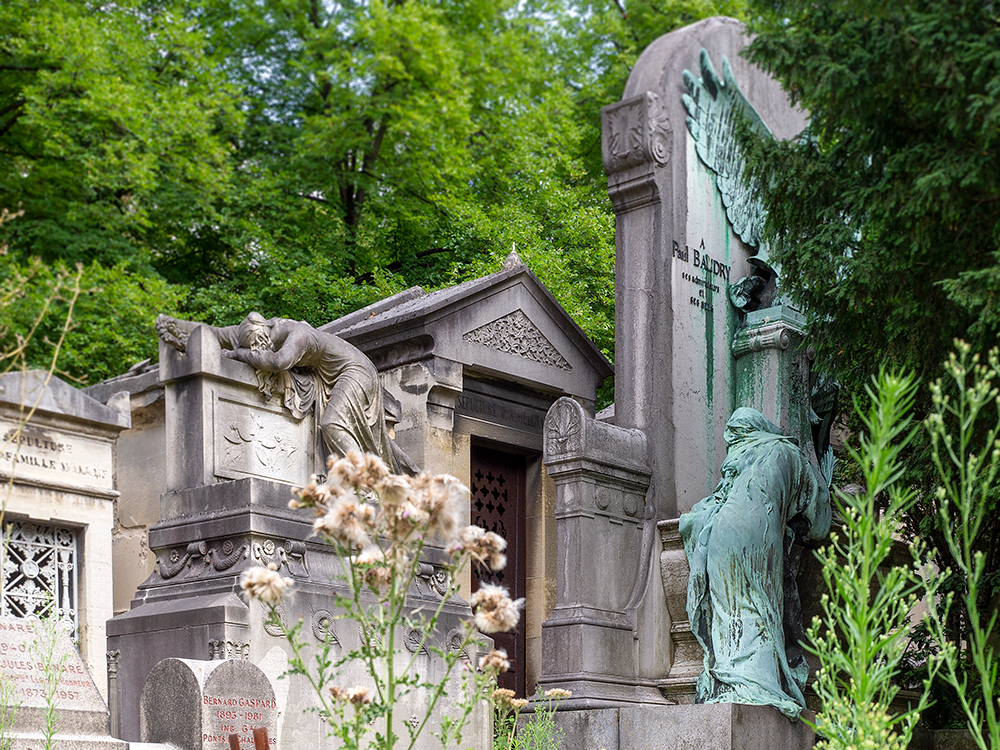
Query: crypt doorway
x=498, y=505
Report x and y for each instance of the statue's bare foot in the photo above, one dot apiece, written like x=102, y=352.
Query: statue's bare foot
x=171, y=332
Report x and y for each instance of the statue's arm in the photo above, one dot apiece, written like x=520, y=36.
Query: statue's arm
x=284, y=358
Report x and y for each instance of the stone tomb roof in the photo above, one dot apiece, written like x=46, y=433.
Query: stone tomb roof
x=506, y=325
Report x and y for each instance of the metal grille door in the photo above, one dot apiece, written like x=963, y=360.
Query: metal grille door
x=498, y=505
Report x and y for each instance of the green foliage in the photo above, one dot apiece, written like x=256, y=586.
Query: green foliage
x=44, y=651
x=110, y=123
x=307, y=158
x=107, y=310
x=539, y=732
x=862, y=637
x=967, y=467
x=883, y=215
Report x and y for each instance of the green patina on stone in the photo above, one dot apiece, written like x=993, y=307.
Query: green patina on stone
x=737, y=541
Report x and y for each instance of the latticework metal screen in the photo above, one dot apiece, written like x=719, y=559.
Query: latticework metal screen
x=39, y=569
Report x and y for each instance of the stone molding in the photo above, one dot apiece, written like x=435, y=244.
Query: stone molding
x=778, y=332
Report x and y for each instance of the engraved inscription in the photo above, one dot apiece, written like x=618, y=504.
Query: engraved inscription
x=500, y=412
x=706, y=270
x=223, y=715
x=40, y=455
x=28, y=674
x=515, y=334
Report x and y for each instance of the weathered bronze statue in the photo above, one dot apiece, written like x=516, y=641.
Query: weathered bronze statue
x=308, y=367
x=741, y=597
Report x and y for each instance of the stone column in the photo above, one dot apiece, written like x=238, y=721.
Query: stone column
x=601, y=478
x=772, y=370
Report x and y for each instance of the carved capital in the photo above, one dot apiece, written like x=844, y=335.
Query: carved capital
x=635, y=132
x=777, y=334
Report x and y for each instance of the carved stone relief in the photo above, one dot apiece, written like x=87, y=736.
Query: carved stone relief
x=515, y=334
x=563, y=428
x=637, y=131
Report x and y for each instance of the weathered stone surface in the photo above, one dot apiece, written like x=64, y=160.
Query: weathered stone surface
x=196, y=705
x=676, y=252
x=601, y=481
x=687, y=727
x=82, y=714
x=61, y=462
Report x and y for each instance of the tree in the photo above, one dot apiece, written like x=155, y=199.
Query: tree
x=885, y=214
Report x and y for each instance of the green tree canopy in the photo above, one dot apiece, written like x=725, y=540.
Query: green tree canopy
x=886, y=214
x=305, y=158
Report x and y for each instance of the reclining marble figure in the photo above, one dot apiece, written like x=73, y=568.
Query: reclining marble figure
x=308, y=367
x=741, y=597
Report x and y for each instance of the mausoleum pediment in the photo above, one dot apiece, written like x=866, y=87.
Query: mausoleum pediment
x=506, y=325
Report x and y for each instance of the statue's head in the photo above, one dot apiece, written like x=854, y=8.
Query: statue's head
x=745, y=421
x=255, y=333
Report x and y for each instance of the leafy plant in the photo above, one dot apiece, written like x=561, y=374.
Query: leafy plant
x=45, y=651
x=967, y=467
x=379, y=524
x=539, y=732
x=863, y=634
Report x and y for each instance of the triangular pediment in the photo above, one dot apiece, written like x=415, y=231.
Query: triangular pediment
x=505, y=326
x=514, y=333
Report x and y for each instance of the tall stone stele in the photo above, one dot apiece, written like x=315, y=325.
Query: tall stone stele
x=700, y=329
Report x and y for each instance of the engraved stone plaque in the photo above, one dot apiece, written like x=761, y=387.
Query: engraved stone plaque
x=21, y=663
x=197, y=705
x=57, y=458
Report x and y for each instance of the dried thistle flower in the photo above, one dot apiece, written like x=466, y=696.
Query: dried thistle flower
x=374, y=572
x=359, y=470
x=503, y=696
x=557, y=693
x=315, y=495
x=359, y=696
x=496, y=661
x=442, y=497
x=349, y=521
x=483, y=546
x=393, y=489
x=265, y=584
x=496, y=612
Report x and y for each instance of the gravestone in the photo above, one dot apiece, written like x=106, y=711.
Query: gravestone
x=225, y=509
x=197, y=705
x=82, y=716
x=688, y=351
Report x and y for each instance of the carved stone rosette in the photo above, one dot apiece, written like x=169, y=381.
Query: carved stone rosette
x=636, y=132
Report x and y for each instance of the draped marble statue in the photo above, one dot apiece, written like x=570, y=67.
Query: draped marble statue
x=309, y=367
x=742, y=599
